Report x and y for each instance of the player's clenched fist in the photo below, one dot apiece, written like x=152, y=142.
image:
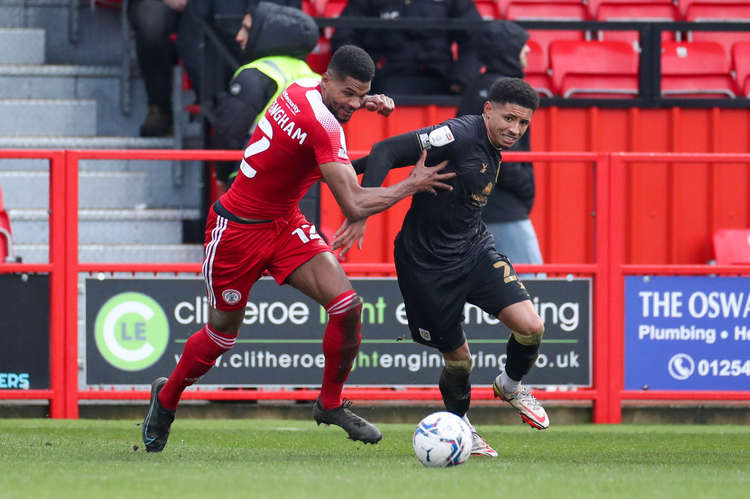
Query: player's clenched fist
x=381, y=103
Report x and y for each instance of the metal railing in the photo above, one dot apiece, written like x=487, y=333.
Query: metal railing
x=607, y=271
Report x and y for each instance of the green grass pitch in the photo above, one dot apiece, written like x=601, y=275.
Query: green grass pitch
x=283, y=459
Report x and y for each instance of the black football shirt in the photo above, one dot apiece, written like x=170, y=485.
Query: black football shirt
x=446, y=231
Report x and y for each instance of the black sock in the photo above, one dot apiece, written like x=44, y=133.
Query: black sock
x=520, y=358
x=456, y=392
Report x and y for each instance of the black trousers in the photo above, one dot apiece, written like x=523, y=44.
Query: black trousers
x=153, y=23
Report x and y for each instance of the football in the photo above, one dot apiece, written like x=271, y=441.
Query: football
x=442, y=439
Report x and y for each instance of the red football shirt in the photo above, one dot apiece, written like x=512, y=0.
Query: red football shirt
x=296, y=134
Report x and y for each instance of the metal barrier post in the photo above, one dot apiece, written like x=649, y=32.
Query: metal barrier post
x=602, y=401
x=616, y=291
x=71, y=285
x=58, y=306
x=55, y=394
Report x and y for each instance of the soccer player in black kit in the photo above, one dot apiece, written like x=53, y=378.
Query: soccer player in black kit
x=445, y=256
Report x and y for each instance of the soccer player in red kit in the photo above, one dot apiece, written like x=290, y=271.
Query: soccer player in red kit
x=257, y=226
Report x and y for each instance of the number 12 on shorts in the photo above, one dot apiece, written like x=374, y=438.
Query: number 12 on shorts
x=312, y=233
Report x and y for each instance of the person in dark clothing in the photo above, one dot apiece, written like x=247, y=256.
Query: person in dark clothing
x=279, y=60
x=226, y=17
x=153, y=22
x=503, y=51
x=445, y=257
x=413, y=62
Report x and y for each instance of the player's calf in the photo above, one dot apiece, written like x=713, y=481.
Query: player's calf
x=455, y=387
x=341, y=341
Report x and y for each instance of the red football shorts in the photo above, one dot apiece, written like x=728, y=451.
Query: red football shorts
x=236, y=254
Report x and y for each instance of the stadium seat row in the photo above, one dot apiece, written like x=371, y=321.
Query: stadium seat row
x=584, y=10
x=578, y=66
x=609, y=69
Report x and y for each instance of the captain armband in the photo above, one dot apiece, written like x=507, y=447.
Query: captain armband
x=437, y=138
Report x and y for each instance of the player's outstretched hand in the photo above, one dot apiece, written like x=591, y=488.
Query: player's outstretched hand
x=429, y=178
x=348, y=234
x=381, y=103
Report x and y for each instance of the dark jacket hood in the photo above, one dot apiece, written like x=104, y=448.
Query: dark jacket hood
x=499, y=44
x=280, y=30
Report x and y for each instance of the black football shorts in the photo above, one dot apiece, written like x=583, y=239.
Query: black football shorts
x=434, y=300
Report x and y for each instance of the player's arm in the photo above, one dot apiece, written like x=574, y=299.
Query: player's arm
x=399, y=151
x=393, y=152
x=359, y=202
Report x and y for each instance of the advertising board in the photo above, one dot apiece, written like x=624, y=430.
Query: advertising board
x=137, y=328
x=687, y=333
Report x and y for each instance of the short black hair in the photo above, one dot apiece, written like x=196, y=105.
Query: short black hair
x=350, y=60
x=514, y=91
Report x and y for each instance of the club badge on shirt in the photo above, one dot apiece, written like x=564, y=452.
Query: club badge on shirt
x=425, y=334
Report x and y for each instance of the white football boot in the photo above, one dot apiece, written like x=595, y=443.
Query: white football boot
x=523, y=401
x=478, y=445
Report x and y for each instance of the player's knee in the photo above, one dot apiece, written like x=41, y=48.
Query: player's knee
x=530, y=332
x=352, y=318
x=459, y=367
x=225, y=322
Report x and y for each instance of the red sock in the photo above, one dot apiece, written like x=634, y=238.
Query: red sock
x=340, y=345
x=198, y=357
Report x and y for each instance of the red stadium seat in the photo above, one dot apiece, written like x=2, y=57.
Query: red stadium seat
x=702, y=10
x=537, y=74
x=543, y=37
x=633, y=10
x=741, y=64
x=488, y=9
x=6, y=237
x=519, y=10
x=331, y=8
x=697, y=69
x=594, y=69
x=320, y=56
x=594, y=5
x=310, y=7
x=661, y=10
x=321, y=53
x=727, y=39
x=732, y=246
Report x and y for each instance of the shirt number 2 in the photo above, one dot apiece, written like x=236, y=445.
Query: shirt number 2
x=256, y=147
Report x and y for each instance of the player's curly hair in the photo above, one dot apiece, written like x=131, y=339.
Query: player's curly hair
x=350, y=60
x=514, y=91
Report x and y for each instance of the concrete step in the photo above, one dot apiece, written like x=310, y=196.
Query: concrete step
x=44, y=117
x=30, y=189
x=21, y=46
x=136, y=253
x=171, y=184
x=24, y=81
x=161, y=226
x=72, y=142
